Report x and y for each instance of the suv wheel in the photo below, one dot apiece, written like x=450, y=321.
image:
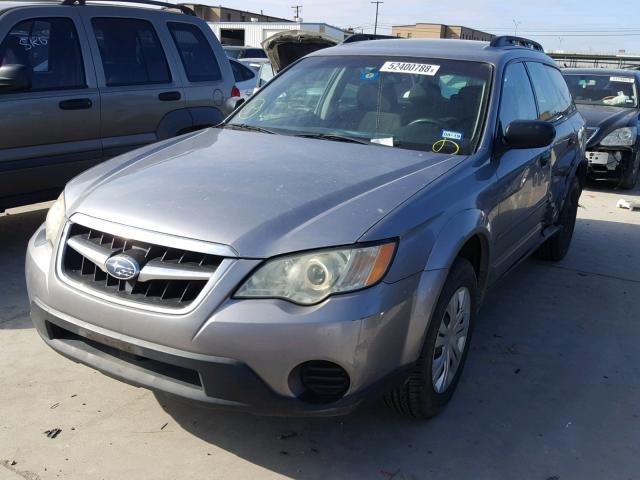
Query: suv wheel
x=631, y=175
x=556, y=247
x=430, y=385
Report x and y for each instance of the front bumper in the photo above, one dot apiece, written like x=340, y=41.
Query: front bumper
x=238, y=354
x=609, y=163
x=221, y=382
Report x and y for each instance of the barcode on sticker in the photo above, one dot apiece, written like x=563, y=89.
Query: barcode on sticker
x=414, y=68
x=621, y=79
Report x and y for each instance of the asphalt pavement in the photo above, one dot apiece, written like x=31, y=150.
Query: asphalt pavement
x=550, y=390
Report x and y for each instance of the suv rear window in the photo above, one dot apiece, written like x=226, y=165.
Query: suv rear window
x=49, y=49
x=131, y=52
x=196, y=54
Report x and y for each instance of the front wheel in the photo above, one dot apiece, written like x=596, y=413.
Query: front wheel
x=631, y=174
x=435, y=376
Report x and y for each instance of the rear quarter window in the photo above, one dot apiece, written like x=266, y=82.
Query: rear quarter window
x=198, y=59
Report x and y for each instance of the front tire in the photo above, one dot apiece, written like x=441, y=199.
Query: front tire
x=430, y=386
x=631, y=175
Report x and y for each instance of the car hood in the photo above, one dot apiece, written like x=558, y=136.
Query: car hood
x=261, y=194
x=284, y=48
x=607, y=119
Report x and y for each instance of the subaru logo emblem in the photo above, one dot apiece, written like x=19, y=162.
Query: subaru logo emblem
x=123, y=267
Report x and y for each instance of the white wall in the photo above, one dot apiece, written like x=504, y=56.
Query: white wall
x=256, y=32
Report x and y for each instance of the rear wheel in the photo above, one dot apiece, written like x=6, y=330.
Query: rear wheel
x=435, y=376
x=556, y=247
x=631, y=175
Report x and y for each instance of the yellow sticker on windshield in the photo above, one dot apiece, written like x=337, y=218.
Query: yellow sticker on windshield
x=441, y=145
x=408, y=67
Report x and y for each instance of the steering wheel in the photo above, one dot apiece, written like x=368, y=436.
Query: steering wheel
x=420, y=121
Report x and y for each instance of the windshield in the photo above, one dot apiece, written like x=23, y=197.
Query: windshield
x=419, y=104
x=613, y=90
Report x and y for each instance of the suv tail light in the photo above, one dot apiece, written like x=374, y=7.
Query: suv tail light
x=235, y=91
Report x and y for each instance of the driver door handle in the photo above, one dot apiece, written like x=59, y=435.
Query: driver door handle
x=76, y=104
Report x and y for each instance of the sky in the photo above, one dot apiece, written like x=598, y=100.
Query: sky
x=569, y=25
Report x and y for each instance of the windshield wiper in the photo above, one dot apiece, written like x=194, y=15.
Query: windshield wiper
x=334, y=137
x=248, y=128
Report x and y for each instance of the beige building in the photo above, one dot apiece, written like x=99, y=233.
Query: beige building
x=437, y=30
x=224, y=14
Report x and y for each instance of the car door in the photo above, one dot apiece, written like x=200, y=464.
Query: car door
x=137, y=85
x=523, y=175
x=566, y=151
x=207, y=74
x=50, y=131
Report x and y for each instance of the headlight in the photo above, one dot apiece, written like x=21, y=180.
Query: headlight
x=621, y=137
x=311, y=277
x=55, y=219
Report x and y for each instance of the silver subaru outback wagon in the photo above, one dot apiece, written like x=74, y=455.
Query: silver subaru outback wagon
x=331, y=239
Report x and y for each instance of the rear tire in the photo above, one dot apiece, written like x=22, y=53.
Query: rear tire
x=631, y=175
x=423, y=395
x=556, y=247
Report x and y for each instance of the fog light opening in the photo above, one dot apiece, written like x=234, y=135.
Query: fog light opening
x=319, y=381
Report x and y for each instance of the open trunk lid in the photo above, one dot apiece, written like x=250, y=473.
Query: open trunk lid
x=286, y=47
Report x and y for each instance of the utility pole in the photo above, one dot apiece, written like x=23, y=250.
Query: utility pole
x=516, y=24
x=297, y=9
x=375, y=28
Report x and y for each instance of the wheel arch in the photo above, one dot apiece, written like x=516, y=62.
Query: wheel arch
x=466, y=235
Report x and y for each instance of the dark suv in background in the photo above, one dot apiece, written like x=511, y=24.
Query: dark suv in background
x=608, y=101
x=83, y=83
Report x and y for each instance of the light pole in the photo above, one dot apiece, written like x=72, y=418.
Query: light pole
x=375, y=28
x=516, y=25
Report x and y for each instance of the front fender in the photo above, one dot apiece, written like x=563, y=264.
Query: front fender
x=455, y=234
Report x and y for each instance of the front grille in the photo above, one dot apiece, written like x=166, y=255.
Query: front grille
x=169, y=277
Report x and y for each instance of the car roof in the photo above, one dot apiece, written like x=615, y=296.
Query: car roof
x=602, y=71
x=470, y=50
x=12, y=4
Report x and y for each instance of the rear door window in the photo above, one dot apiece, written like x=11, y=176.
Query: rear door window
x=518, y=102
x=50, y=51
x=552, y=101
x=197, y=56
x=130, y=51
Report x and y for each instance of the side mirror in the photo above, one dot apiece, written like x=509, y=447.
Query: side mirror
x=522, y=134
x=14, y=78
x=232, y=103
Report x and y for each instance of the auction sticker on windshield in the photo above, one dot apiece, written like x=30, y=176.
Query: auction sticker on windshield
x=407, y=67
x=621, y=79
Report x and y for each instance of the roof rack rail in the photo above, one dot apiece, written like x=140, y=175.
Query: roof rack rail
x=361, y=37
x=511, y=41
x=176, y=6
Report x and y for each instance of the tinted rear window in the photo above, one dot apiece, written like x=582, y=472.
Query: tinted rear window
x=197, y=56
x=130, y=51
